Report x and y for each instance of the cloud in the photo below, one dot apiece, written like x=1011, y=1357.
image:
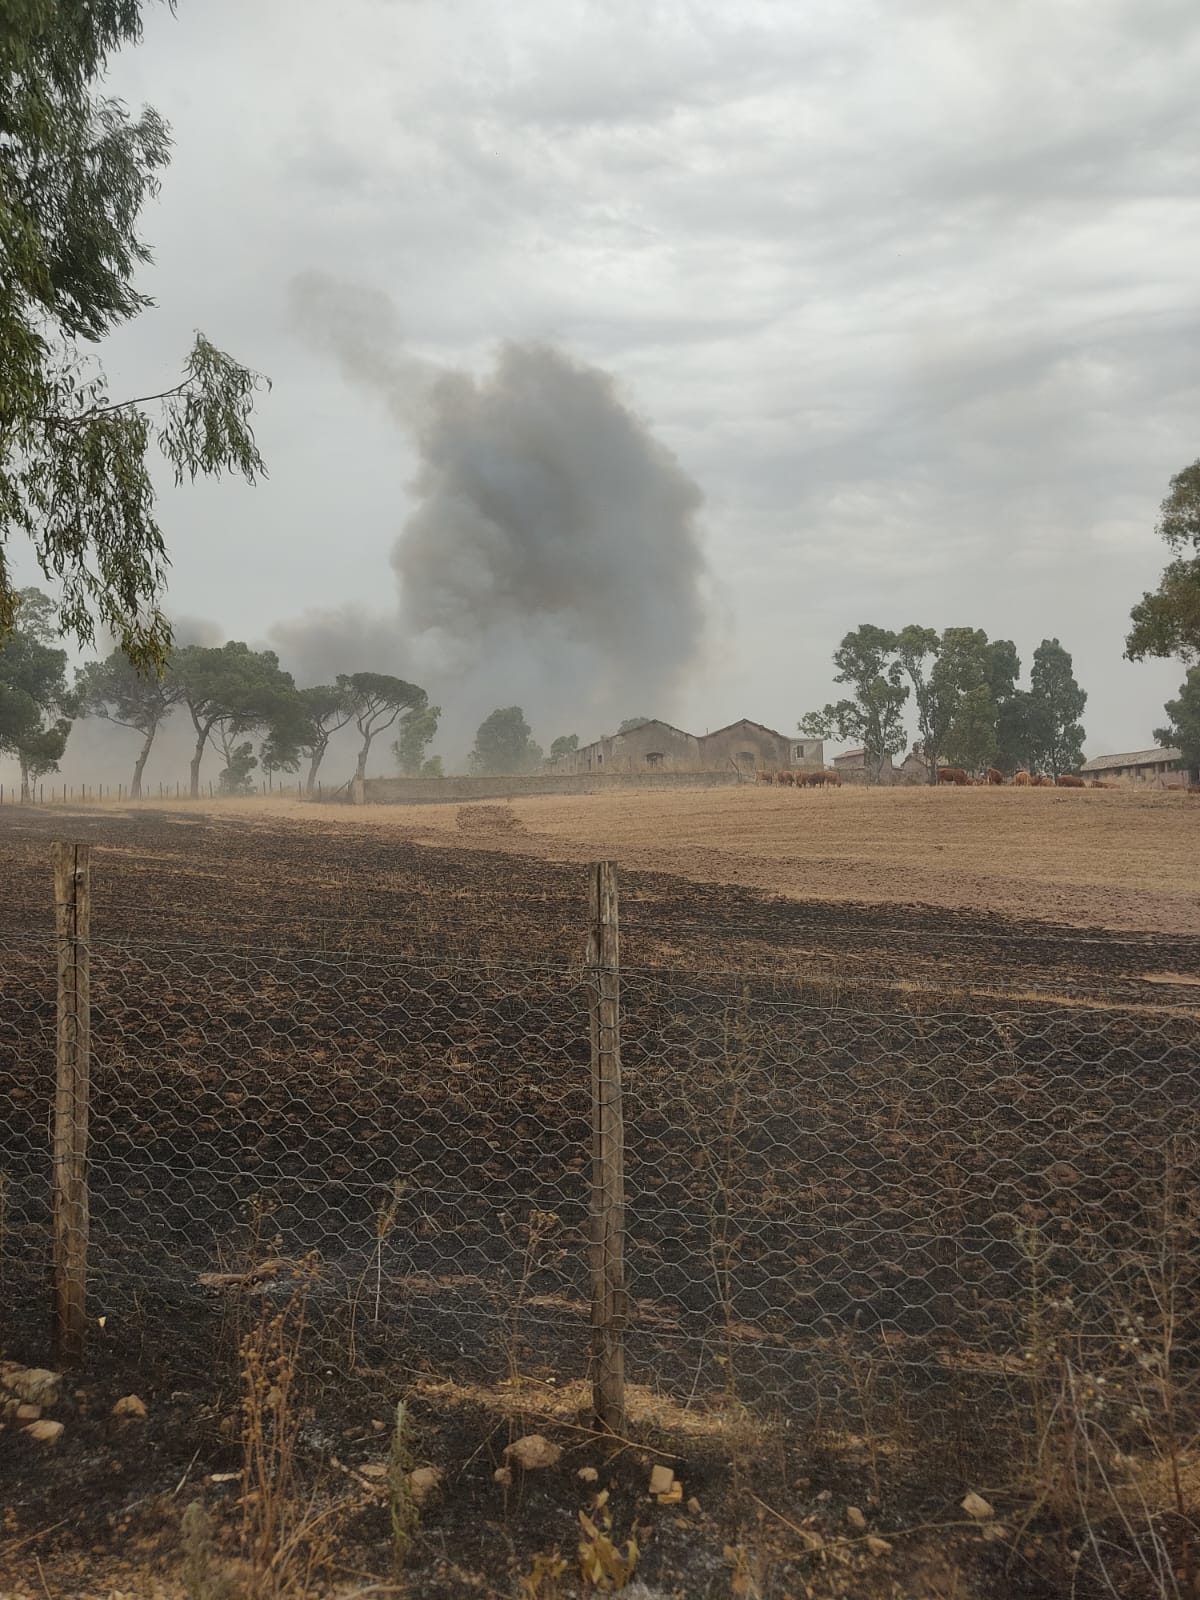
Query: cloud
x=906, y=287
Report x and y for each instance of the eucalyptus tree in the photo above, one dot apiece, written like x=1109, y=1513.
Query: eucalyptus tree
x=36, y=703
x=138, y=698
x=76, y=169
x=873, y=714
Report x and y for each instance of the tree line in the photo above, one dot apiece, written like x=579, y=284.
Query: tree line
x=232, y=696
x=227, y=692
x=968, y=707
x=1166, y=622
x=75, y=481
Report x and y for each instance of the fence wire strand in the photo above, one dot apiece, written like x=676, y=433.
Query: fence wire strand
x=931, y=1190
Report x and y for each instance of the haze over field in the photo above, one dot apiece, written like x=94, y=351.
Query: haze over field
x=865, y=312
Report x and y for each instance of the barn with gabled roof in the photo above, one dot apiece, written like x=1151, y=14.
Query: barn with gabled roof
x=655, y=745
x=1160, y=768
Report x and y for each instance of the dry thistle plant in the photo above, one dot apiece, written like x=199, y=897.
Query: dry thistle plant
x=1115, y=1435
x=403, y=1511
x=385, y=1221
x=538, y=1228
x=285, y=1541
x=719, y=1135
x=743, y=1578
x=202, y=1576
x=246, y=1257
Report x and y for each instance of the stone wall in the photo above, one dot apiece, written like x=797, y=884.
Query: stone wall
x=425, y=791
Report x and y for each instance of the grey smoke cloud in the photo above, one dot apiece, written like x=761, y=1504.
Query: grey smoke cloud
x=552, y=547
x=907, y=287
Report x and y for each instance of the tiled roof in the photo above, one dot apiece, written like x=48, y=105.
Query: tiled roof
x=743, y=722
x=1131, y=758
x=650, y=722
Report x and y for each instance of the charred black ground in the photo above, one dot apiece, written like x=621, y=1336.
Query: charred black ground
x=291, y=1018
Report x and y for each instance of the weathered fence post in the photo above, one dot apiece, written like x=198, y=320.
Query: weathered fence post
x=607, y=1253
x=72, y=903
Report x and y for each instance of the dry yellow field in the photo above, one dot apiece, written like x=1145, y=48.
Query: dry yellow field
x=1112, y=858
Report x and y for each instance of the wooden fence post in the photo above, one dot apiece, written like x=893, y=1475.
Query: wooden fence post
x=610, y=1300
x=72, y=902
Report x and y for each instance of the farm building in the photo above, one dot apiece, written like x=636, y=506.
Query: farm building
x=750, y=746
x=1158, y=768
x=651, y=744
x=914, y=768
x=656, y=745
x=852, y=764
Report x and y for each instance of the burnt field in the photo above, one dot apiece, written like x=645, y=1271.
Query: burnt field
x=880, y=1135
x=225, y=882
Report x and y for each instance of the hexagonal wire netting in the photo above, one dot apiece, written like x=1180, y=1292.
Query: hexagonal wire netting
x=829, y=1208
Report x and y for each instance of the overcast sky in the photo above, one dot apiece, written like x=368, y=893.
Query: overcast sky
x=909, y=289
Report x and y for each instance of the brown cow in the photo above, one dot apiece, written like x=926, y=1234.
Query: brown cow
x=787, y=779
x=1097, y=784
x=1022, y=779
x=817, y=780
x=1040, y=781
x=954, y=775
x=994, y=775
x=765, y=777
x=1068, y=780
x=803, y=779
x=833, y=780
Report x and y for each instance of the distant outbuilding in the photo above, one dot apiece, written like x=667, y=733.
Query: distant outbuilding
x=660, y=746
x=1159, y=768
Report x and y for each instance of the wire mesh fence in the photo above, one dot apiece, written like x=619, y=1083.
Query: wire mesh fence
x=941, y=1204
x=403, y=1120
x=912, y=1205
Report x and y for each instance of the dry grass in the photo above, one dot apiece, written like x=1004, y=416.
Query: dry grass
x=1113, y=858
x=649, y=1413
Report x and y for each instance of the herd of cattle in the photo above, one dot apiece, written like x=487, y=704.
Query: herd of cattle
x=803, y=780
x=1021, y=779
x=954, y=775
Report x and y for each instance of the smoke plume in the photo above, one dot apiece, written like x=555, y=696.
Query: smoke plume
x=551, y=551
